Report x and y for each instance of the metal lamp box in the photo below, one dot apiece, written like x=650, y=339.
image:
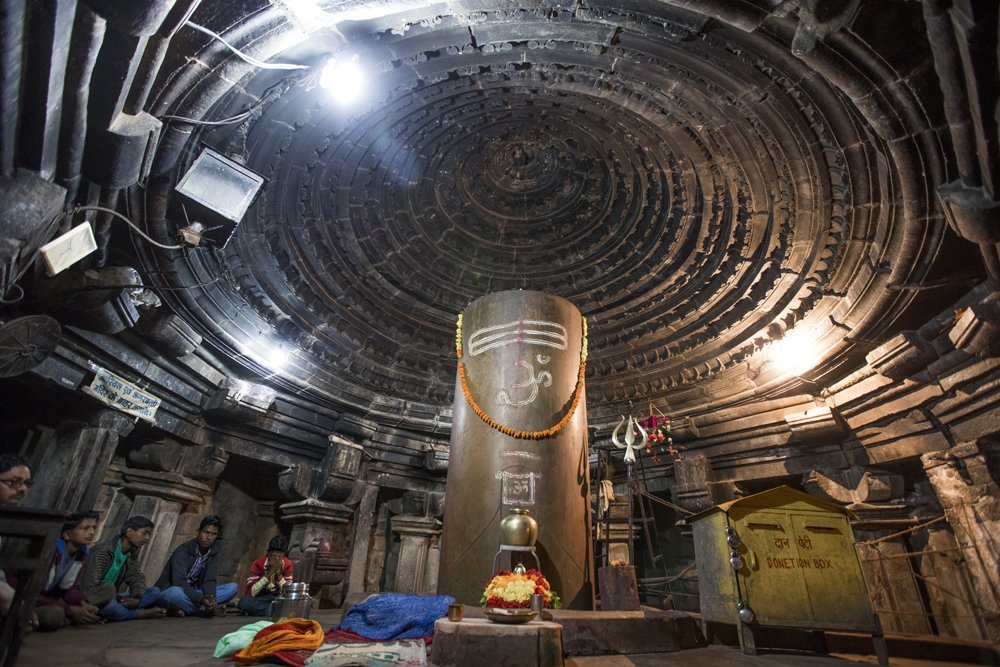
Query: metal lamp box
x=781, y=558
x=217, y=192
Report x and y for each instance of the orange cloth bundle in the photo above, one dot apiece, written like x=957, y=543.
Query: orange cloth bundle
x=292, y=635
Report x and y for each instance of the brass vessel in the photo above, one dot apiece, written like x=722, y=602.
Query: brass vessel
x=518, y=529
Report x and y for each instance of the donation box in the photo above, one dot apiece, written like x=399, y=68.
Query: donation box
x=781, y=558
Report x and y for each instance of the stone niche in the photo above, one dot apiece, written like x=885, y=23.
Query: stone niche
x=319, y=514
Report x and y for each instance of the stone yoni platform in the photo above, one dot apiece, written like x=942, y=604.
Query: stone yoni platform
x=477, y=641
x=626, y=632
x=559, y=633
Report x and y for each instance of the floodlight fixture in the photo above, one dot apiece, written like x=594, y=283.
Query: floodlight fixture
x=217, y=192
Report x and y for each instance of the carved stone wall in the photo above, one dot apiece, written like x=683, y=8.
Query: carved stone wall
x=965, y=479
x=70, y=463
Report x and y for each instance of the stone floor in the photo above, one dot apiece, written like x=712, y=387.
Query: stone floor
x=189, y=642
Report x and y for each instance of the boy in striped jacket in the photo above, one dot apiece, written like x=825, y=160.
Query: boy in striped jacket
x=116, y=562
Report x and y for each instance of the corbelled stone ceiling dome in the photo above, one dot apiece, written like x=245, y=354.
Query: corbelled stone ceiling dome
x=702, y=179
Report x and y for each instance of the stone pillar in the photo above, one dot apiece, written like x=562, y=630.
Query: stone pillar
x=320, y=515
x=314, y=523
x=968, y=492
x=433, y=563
x=378, y=554
x=949, y=585
x=361, y=541
x=160, y=480
x=693, y=474
x=73, y=462
x=161, y=496
x=415, y=534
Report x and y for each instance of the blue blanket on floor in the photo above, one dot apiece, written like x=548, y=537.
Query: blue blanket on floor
x=396, y=615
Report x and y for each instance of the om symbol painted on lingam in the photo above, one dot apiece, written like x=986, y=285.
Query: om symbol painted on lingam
x=520, y=332
x=532, y=332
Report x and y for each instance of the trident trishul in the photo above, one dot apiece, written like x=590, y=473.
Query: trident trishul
x=629, y=438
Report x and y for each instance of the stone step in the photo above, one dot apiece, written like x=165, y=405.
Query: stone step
x=626, y=632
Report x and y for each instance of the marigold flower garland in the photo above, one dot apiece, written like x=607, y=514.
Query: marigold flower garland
x=513, y=590
x=506, y=430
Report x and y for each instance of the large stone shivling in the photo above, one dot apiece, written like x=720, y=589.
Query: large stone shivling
x=519, y=440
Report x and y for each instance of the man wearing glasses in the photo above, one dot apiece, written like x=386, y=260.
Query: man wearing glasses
x=15, y=479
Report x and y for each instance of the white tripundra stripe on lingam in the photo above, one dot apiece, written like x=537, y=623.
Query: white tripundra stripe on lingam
x=489, y=338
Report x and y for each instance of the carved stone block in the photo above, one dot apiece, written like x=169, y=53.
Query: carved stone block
x=970, y=211
x=436, y=458
x=693, y=474
x=171, y=334
x=204, y=462
x=160, y=456
x=853, y=485
x=238, y=398
x=902, y=356
x=977, y=330
x=817, y=424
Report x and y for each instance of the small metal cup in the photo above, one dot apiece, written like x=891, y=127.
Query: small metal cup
x=456, y=612
x=537, y=603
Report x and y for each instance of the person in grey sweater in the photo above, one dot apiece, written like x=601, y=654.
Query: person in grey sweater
x=190, y=578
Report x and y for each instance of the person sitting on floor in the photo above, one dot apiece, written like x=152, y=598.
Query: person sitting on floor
x=115, y=562
x=267, y=575
x=15, y=480
x=62, y=598
x=189, y=579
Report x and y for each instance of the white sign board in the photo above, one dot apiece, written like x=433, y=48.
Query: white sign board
x=120, y=394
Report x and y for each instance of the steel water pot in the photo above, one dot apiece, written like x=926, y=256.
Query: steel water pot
x=294, y=602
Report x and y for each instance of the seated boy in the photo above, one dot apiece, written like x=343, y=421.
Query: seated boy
x=267, y=575
x=62, y=596
x=189, y=579
x=115, y=562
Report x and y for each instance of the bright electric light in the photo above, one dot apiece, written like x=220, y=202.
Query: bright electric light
x=794, y=354
x=343, y=78
x=277, y=358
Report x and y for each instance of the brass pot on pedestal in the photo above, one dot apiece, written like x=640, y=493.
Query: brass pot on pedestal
x=518, y=529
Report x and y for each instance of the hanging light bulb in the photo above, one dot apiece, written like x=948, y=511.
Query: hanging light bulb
x=342, y=77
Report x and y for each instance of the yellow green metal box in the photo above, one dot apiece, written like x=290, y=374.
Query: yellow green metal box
x=780, y=558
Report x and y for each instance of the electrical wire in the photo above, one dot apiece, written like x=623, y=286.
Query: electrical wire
x=152, y=288
x=237, y=118
x=9, y=302
x=13, y=283
x=130, y=224
x=24, y=269
x=225, y=121
x=250, y=59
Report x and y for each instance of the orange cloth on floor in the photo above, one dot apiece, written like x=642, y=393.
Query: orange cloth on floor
x=291, y=635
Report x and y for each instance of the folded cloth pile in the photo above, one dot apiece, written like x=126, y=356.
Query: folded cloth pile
x=396, y=615
x=292, y=635
x=237, y=639
x=398, y=653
